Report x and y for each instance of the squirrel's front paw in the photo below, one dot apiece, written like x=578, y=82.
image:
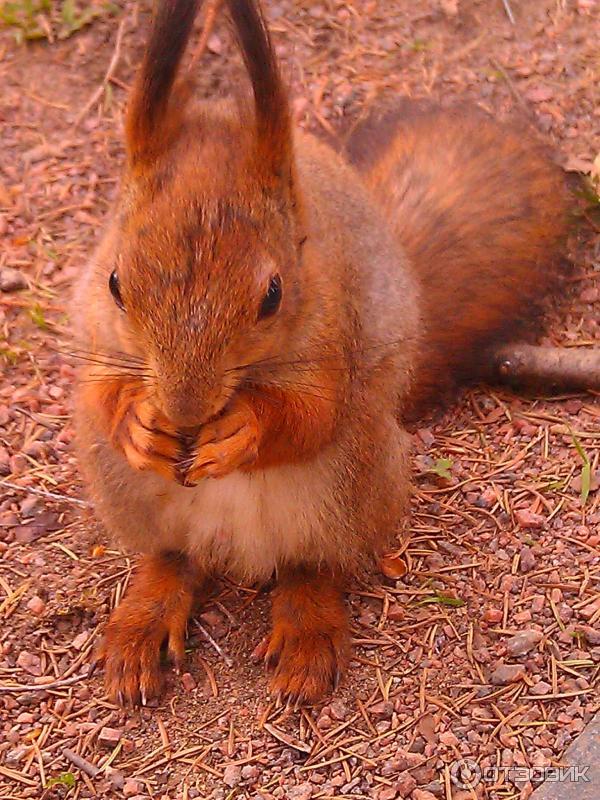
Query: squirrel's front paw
x=224, y=445
x=145, y=436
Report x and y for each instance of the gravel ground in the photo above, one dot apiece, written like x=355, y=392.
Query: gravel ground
x=488, y=648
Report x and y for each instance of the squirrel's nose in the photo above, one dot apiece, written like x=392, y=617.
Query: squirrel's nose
x=188, y=406
x=184, y=410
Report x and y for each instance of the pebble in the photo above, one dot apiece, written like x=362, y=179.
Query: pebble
x=423, y=794
x=131, y=788
x=528, y=519
x=493, y=615
x=324, y=723
x=590, y=295
x=448, y=738
x=405, y=784
x=232, y=775
x=12, y=280
x=36, y=605
x=538, y=601
x=188, y=682
x=30, y=663
x=527, y=561
x=303, y=791
x=250, y=772
x=29, y=505
x=80, y=640
x=338, y=710
x=523, y=642
x=109, y=737
x=541, y=688
x=592, y=635
x=507, y=673
x=383, y=710
x=4, y=461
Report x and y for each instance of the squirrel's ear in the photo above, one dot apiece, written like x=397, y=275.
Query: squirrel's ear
x=272, y=112
x=151, y=117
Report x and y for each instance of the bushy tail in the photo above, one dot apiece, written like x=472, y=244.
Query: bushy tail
x=481, y=212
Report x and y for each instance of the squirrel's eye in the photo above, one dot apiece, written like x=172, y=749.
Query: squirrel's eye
x=115, y=289
x=272, y=299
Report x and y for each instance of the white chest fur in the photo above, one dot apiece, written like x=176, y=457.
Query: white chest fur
x=249, y=523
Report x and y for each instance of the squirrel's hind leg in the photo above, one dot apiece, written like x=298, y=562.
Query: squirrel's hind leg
x=155, y=610
x=309, y=642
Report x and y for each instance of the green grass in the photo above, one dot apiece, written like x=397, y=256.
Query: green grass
x=51, y=19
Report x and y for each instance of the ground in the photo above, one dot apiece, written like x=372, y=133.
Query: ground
x=488, y=648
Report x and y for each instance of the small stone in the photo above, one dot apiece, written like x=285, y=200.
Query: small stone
x=131, y=788
x=36, y=605
x=30, y=663
x=338, y=710
x=592, y=635
x=232, y=775
x=303, y=791
x=4, y=461
x=387, y=793
x=436, y=789
x=426, y=436
x=523, y=642
x=591, y=295
x=29, y=505
x=507, y=673
x=324, y=723
x=522, y=616
x=590, y=610
x=383, y=710
x=80, y=640
x=11, y=280
x=405, y=784
x=541, y=688
x=527, y=561
x=109, y=737
x=482, y=655
x=188, y=682
x=250, y=772
x=528, y=520
x=448, y=738
x=493, y=615
x=423, y=794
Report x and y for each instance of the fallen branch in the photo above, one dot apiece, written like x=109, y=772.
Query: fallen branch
x=81, y=763
x=548, y=368
x=63, y=498
x=42, y=687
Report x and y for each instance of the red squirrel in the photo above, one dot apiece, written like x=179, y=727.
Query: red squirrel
x=261, y=317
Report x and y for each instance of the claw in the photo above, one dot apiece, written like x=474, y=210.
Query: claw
x=143, y=697
x=337, y=678
x=120, y=698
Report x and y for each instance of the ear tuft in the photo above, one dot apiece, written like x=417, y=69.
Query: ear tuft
x=150, y=115
x=273, y=122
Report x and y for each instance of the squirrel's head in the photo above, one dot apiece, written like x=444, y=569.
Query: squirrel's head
x=206, y=283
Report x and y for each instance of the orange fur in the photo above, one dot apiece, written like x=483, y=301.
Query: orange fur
x=155, y=610
x=483, y=222
x=283, y=426
x=309, y=643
